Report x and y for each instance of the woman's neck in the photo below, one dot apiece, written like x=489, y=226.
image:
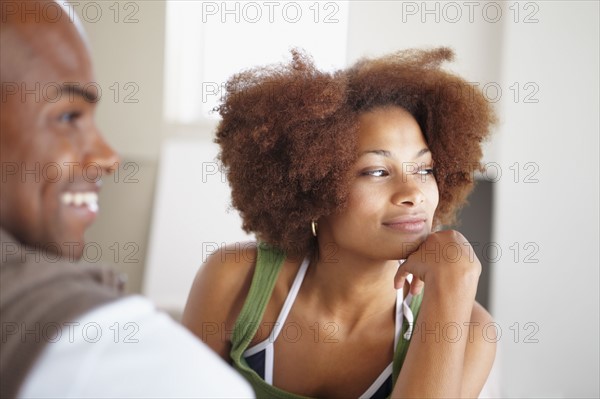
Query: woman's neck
x=349, y=288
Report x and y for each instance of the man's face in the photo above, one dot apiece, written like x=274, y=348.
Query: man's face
x=51, y=152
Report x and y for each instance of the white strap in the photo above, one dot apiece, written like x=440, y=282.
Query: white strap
x=403, y=310
x=399, y=311
x=285, y=310
x=407, y=311
x=269, y=364
x=289, y=301
x=287, y=306
x=378, y=382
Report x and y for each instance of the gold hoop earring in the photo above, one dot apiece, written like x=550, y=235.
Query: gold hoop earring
x=313, y=226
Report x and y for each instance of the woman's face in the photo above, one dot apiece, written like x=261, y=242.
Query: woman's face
x=393, y=193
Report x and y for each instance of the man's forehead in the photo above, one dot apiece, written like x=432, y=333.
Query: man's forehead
x=43, y=49
x=75, y=20
x=37, y=11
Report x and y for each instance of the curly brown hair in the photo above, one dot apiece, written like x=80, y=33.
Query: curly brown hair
x=288, y=136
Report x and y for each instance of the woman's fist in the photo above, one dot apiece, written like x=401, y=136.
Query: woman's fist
x=445, y=256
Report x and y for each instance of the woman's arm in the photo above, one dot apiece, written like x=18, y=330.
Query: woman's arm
x=448, y=355
x=217, y=295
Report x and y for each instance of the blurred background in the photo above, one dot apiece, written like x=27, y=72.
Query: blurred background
x=533, y=218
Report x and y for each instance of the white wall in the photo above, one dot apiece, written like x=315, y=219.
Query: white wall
x=192, y=218
x=128, y=48
x=127, y=45
x=559, y=214
x=381, y=27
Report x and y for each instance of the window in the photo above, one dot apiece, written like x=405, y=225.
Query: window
x=208, y=41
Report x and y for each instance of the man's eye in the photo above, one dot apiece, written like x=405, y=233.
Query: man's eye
x=69, y=117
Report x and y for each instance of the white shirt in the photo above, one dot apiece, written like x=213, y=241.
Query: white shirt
x=129, y=349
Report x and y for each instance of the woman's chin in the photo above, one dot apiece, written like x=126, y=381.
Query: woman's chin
x=406, y=248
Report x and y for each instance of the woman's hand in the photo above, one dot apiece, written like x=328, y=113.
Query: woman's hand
x=445, y=256
x=448, y=355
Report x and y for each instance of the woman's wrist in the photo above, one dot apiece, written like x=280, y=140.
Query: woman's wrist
x=453, y=279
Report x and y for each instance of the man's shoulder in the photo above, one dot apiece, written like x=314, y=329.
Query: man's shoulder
x=23, y=266
x=130, y=338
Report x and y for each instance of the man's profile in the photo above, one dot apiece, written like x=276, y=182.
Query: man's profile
x=64, y=325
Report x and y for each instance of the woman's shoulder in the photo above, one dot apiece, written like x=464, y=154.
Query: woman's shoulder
x=226, y=270
x=218, y=293
x=221, y=288
x=231, y=260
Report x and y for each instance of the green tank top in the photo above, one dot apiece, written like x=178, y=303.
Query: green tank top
x=268, y=264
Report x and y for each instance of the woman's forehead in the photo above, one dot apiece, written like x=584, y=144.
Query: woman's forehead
x=385, y=131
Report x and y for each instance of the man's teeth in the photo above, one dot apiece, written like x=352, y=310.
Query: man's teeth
x=89, y=199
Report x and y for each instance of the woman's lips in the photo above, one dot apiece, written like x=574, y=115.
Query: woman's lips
x=407, y=224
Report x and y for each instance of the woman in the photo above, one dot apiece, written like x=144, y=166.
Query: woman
x=341, y=176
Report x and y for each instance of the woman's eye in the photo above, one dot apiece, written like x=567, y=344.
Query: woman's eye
x=428, y=171
x=376, y=173
x=69, y=117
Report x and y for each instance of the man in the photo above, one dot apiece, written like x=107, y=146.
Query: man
x=66, y=331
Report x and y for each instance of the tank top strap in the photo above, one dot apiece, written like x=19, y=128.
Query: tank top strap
x=410, y=310
x=268, y=263
x=289, y=301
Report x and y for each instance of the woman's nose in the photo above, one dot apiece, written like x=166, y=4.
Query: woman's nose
x=407, y=192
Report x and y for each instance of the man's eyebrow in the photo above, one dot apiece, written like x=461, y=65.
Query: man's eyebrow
x=388, y=154
x=75, y=90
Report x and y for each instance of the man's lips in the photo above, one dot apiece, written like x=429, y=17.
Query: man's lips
x=81, y=196
x=88, y=199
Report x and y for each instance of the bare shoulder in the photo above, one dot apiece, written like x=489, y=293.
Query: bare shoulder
x=480, y=352
x=218, y=293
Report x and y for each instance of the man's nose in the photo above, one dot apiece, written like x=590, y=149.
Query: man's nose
x=103, y=156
